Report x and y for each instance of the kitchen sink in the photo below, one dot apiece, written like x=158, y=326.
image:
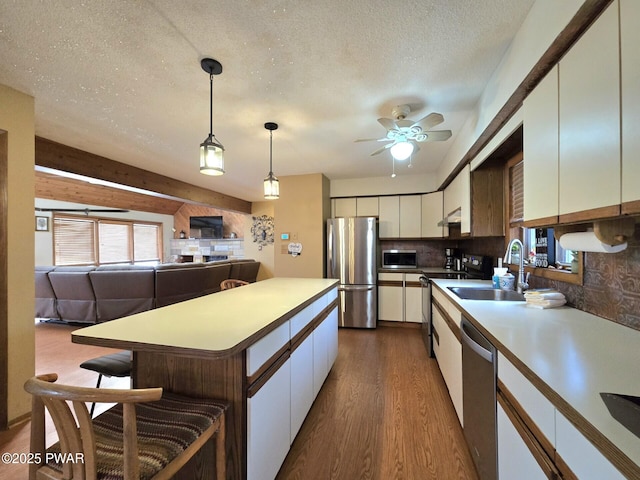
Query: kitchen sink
x=471, y=293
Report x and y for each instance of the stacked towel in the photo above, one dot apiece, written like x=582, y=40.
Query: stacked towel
x=544, y=298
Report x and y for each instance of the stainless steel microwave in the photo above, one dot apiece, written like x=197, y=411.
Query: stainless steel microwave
x=399, y=259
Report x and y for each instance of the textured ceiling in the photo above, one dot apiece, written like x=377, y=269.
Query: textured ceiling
x=122, y=79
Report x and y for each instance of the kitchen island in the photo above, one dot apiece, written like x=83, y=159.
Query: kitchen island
x=266, y=348
x=566, y=358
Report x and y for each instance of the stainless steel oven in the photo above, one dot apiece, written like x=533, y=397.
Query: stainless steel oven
x=474, y=267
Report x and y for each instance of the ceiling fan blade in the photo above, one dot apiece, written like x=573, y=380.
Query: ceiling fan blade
x=430, y=121
x=382, y=149
x=438, y=136
x=387, y=123
x=373, y=140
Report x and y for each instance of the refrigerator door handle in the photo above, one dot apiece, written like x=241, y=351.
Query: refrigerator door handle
x=356, y=288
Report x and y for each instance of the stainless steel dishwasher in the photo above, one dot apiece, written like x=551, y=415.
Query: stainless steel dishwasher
x=479, y=399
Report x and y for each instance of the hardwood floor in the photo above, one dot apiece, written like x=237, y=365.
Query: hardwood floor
x=382, y=414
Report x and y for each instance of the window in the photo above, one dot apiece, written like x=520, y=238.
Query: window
x=100, y=241
x=545, y=257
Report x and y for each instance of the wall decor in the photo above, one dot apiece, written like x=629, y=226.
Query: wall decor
x=42, y=224
x=262, y=230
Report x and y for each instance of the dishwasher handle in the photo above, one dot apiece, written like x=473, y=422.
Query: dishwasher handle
x=478, y=349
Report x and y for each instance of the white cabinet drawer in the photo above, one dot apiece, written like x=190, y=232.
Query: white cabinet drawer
x=301, y=320
x=266, y=347
x=541, y=410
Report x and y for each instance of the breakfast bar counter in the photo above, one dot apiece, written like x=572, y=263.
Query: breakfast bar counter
x=242, y=345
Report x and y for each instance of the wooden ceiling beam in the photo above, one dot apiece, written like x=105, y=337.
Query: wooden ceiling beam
x=60, y=157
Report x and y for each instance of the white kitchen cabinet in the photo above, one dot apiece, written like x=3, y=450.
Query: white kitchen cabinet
x=541, y=149
x=537, y=406
x=268, y=425
x=432, y=213
x=584, y=460
x=589, y=106
x=449, y=356
x=457, y=195
x=449, y=348
x=345, y=207
x=630, y=83
x=390, y=297
x=410, y=216
x=322, y=338
x=367, y=206
x=515, y=460
x=389, y=217
x=399, y=297
x=302, y=383
x=412, y=298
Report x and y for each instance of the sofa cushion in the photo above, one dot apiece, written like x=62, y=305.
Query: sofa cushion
x=123, y=290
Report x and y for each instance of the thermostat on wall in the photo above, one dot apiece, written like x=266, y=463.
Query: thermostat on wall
x=284, y=236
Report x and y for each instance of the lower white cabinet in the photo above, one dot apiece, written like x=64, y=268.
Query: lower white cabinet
x=584, y=460
x=399, y=297
x=278, y=406
x=268, y=425
x=302, y=383
x=515, y=460
x=448, y=351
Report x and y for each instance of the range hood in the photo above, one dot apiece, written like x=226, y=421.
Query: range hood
x=454, y=218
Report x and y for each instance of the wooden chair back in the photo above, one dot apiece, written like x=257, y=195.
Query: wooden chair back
x=68, y=408
x=232, y=283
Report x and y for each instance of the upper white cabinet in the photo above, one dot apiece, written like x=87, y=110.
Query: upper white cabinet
x=630, y=81
x=541, y=149
x=344, y=207
x=389, y=217
x=432, y=213
x=410, y=215
x=589, y=103
x=457, y=195
x=367, y=206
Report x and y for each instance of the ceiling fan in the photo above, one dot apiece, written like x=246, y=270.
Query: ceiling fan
x=403, y=135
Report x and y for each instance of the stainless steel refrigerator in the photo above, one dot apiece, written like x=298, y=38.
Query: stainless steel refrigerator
x=352, y=258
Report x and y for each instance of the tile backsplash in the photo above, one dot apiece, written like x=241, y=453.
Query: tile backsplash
x=611, y=287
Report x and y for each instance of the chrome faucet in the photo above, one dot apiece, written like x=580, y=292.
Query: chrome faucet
x=522, y=283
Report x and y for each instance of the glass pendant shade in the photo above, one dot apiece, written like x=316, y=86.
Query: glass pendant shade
x=271, y=187
x=402, y=150
x=211, y=157
x=271, y=183
x=211, y=150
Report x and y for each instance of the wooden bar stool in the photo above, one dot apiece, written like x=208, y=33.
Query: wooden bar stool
x=115, y=445
x=232, y=283
x=112, y=365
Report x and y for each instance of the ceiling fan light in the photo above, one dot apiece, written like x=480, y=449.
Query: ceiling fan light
x=271, y=187
x=211, y=157
x=402, y=150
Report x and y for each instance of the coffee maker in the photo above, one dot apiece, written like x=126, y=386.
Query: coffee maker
x=450, y=255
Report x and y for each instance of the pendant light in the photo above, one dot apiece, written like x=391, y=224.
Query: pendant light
x=211, y=150
x=271, y=183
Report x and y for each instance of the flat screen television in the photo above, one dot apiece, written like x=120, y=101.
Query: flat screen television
x=205, y=227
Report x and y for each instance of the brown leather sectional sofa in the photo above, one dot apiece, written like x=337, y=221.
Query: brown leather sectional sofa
x=100, y=294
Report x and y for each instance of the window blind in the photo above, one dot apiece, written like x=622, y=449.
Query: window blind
x=74, y=241
x=516, y=192
x=97, y=241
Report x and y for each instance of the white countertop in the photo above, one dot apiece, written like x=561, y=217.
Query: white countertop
x=575, y=354
x=215, y=325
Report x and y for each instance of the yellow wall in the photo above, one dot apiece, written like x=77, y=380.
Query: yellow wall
x=265, y=254
x=17, y=118
x=301, y=211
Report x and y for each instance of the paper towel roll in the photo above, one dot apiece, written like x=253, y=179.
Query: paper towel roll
x=588, y=242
